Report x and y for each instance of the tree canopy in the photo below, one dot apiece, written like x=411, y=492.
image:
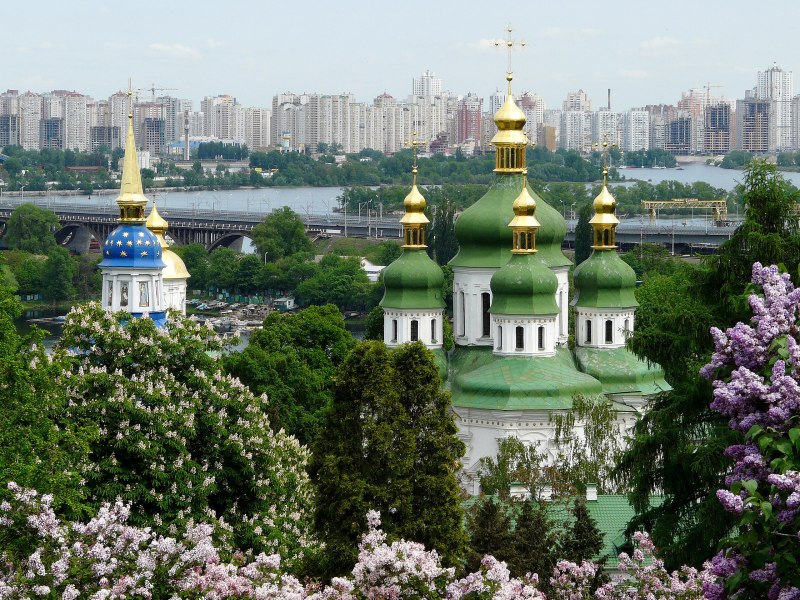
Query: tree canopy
x=30, y=228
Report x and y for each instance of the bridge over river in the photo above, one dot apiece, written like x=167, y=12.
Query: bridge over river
x=82, y=222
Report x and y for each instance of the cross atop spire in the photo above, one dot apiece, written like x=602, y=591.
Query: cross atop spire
x=604, y=148
x=510, y=44
x=414, y=143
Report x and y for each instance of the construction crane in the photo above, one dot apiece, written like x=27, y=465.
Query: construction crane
x=153, y=89
x=719, y=208
x=709, y=85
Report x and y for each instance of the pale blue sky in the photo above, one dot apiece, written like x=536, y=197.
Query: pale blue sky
x=647, y=52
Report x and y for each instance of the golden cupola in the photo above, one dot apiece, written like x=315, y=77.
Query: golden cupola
x=414, y=220
x=131, y=199
x=604, y=222
x=524, y=224
x=509, y=141
x=175, y=267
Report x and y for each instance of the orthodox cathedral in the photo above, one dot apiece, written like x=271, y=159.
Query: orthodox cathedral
x=141, y=275
x=511, y=368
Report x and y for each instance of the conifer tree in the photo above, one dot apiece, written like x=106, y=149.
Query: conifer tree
x=437, y=517
x=490, y=533
x=536, y=543
x=584, y=541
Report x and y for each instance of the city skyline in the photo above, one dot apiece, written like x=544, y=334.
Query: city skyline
x=364, y=50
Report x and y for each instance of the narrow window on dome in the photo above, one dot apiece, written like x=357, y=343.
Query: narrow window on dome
x=541, y=338
x=609, y=331
x=588, y=331
x=394, y=330
x=461, y=314
x=414, y=330
x=433, y=331
x=520, y=335
x=499, y=337
x=487, y=303
x=627, y=326
x=605, y=238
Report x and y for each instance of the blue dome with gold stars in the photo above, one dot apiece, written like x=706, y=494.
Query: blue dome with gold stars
x=132, y=246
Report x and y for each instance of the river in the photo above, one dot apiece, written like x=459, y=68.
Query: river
x=322, y=200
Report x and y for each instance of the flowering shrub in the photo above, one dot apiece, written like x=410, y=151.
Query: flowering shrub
x=107, y=558
x=756, y=372
x=177, y=439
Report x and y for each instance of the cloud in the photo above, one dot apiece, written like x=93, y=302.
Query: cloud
x=174, y=50
x=660, y=42
x=633, y=73
x=487, y=43
x=552, y=32
x=212, y=43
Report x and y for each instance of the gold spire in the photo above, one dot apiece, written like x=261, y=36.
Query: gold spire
x=414, y=219
x=155, y=222
x=524, y=225
x=604, y=222
x=131, y=199
x=510, y=140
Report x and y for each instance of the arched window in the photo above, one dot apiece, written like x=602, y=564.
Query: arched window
x=520, y=335
x=462, y=318
x=605, y=237
x=541, y=337
x=486, y=301
x=627, y=326
x=499, y=337
x=394, y=330
x=609, y=331
x=433, y=331
x=588, y=331
x=414, y=330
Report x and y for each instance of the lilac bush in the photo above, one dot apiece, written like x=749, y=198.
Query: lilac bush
x=756, y=373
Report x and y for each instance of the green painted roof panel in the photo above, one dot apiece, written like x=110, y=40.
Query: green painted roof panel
x=604, y=280
x=414, y=280
x=620, y=371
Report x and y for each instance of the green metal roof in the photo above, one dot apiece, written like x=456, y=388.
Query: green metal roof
x=604, y=280
x=520, y=383
x=484, y=238
x=620, y=371
x=524, y=286
x=413, y=281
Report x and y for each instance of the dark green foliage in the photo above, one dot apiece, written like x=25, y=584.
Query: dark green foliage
x=536, y=543
x=584, y=234
x=339, y=281
x=213, y=150
x=373, y=330
x=442, y=243
x=490, y=533
x=57, y=275
x=31, y=228
x=678, y=444
x=736, y=159
x=223, y=268
x=390, y=444
x=292, y=360
x=584, y=541
x=282, y=233
x=651, y=259
x=384, y=253
x=195, y=257
x=37, y=449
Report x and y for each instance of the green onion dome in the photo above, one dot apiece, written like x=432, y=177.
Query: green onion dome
x=524, y=286
x=483, y=235
x=413, y=281
x=604, y=280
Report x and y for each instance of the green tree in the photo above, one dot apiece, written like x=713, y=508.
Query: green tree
x=536, y=543
x=339, y=281
x=223, y=268
x=58, y=274
x=584, y=540
x=31, y=228
x=282, y=233
x=373, y=330
x=248, y=273
x=195, y=257
x=442, y=242
x=650, y=258
x=292, y=360
x=37, y=448
x=490, y=533
x=27, y=270
x=678, y=444
x=389, y=445
x=584, y=234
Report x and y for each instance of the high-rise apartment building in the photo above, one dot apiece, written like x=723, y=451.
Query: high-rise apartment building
x=468, y=119
x=30, y=116
x=606, y=125
x=753, y=124
x=577, y=101
x=51, y=134
x=576, y=130
x=717, y=128
x=426, y=84
x=256, y=128
x=76, y=126
x=636, y=130
x=9, y=130
x=223, y=118
x=777, y=85
x=533, y=106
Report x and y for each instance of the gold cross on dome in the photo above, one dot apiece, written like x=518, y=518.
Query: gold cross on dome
x=510, y=44
x=604, y=147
